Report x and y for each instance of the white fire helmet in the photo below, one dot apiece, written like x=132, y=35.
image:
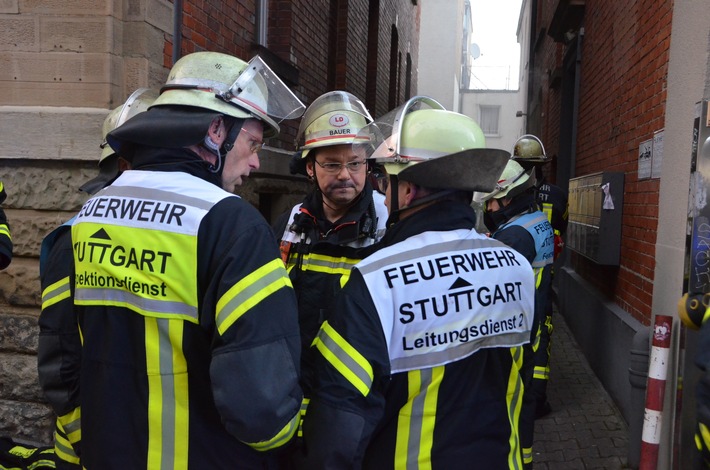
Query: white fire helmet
x=423, y=143
x=228, y=85
x=334, y=118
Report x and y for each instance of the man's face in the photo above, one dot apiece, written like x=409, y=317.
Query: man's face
x=243, y=158
x=340, y=186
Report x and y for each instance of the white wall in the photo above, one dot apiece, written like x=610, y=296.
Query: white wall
x=441, y=29
x=509, y=126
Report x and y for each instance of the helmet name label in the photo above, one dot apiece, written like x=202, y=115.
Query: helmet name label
x=339, y=132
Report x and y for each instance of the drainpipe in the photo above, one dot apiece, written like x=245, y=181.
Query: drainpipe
x=575, y=108
x=177, y=29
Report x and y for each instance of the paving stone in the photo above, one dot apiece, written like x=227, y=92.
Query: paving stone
x=585, y=429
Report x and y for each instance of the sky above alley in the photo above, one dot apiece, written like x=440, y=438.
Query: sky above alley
x=494, y=32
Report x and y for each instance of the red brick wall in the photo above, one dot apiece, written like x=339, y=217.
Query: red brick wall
x=622, y=102
x=301, y=34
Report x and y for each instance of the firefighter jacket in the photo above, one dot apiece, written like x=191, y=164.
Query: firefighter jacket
x=531, y=235
x=702, y=398
x=5, y=236
x=553, y=202
x=418, y=365
x=187, y=349
x=319, y=255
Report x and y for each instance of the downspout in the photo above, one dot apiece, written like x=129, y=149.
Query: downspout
x=177, y=29
x=575, y=105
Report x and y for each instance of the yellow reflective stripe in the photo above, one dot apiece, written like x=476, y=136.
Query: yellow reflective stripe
x=344, y=279
x=527, y=455
x=345, y=358
x=2, y=187
x=547, y=209
x=324, y=264
x=280, y=439
x=514, y=400
x=538, y=277
x=248, y=292
x=70, y=424
x=705, y=435
x=64, y=450
x=416, y=420
x=541, y=373
x=56, y=292
x=707, y=315
x=698, y=442
x=304, y=408
x=5, y=230
x=168, y=405
x=42, y=464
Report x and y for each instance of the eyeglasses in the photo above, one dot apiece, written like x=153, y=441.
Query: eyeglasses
x=335, y=168
x=380, y=182
x=256, y=145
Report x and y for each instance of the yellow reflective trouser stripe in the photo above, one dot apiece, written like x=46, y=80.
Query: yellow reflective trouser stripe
x=168, y=405
x=64, y=438
x=416, y=420
x=346, y=360
x=541, y=373
x=249, y=292
x=304, y=408
x=56, y=292
x=514, y=400
x=279, y=439
x=5, y=230
x=70, y=424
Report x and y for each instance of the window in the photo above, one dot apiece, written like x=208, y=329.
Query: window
x=488, y=119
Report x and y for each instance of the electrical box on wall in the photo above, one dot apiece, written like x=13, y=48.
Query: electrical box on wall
x=595, y=209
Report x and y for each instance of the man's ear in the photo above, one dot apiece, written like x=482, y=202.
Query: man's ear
x=217, y=131
x=310, y=170
x=123, y=164
x=410, y=192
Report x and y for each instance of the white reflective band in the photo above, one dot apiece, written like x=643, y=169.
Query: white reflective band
x=652, y=421
x=147, y=307
x=658, y=366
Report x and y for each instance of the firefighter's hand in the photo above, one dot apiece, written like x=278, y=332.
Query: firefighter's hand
x=692, y=308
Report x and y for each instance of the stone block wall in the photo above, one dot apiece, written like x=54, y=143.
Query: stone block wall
x=63, y=65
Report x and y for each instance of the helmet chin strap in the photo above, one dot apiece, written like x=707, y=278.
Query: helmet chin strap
x=227, y=145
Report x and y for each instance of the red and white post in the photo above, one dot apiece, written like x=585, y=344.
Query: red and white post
x=655, y=391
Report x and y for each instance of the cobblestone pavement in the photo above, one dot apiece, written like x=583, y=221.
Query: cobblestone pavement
x=585, y=429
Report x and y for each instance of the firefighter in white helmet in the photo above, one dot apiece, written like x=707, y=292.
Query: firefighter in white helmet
x=190, y=347
x=320, y=236
x=58, y=319
x=512, y=216
x=418, y=365
x=552, y=200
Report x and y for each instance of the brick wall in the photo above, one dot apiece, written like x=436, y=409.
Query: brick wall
x=622, y=102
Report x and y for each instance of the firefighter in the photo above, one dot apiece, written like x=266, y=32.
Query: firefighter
x=320, y=236
x=530, y=153
x=58, y=319
x=512, y=217
x=694, y=310
x=189, y=346
x=419, y=363
x=5, y=236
